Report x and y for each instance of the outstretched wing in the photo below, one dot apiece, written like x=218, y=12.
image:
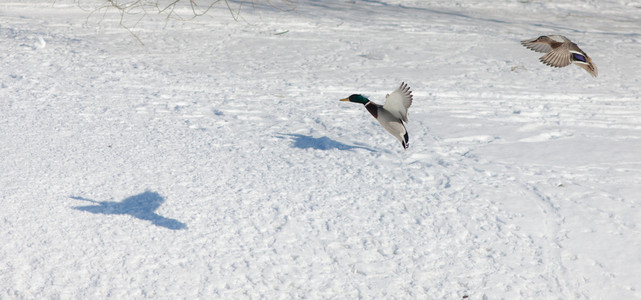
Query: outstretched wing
x=558, y=57
x=538, y=46
x=399, y=101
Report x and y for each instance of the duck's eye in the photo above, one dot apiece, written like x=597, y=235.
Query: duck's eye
x=579, y=57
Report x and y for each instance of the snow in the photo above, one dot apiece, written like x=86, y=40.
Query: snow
x=215, y=160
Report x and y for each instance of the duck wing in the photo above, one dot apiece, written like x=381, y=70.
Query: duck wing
x=399, y=101
x=558, y=57
x=537, y=46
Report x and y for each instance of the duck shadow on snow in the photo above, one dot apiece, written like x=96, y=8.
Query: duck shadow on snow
x=321, y=143
x=141, y=206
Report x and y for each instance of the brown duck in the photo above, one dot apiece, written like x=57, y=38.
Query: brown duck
x=560, y=52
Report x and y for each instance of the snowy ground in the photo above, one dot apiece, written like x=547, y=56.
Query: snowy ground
x=216, y=161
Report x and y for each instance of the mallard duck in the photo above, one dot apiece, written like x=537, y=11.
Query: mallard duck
x=560, y=52
x=392, y=114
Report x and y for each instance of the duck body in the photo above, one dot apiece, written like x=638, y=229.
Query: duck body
x=392, y=114
x=560, y=52
x=391, y=123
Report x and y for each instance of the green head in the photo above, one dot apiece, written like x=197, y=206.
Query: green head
x=356, y=98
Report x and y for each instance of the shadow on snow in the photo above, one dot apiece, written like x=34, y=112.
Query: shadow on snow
x=141, y=206
x=321, y=143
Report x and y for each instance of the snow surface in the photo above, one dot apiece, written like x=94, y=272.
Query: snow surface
x=216, y=161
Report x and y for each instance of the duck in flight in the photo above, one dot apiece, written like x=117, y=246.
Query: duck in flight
x=392, y=114
x=560, y=52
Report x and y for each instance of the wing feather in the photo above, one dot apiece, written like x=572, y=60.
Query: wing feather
x=559, y=57
x=399, y=101
x=532, y=44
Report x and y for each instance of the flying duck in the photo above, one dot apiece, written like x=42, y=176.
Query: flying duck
x=392, y=114
x=560, y=52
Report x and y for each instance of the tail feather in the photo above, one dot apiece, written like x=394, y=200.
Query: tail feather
x=406, y=140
